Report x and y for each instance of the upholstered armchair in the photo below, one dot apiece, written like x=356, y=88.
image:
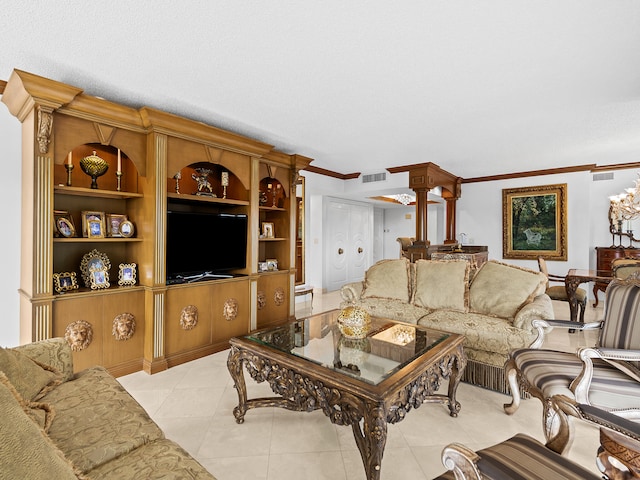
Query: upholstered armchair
x=605, y=376
x=522, y=456
x=625, y=267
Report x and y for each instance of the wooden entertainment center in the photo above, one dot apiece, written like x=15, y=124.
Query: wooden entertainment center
x=154, y=161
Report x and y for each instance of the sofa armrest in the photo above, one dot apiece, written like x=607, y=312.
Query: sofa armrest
x=54, y=352
x=351, y=292
x=540, y=308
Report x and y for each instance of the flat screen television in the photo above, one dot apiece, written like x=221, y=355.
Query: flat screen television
x=198, y=243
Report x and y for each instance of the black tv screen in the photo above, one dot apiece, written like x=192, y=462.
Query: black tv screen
x=205, y=242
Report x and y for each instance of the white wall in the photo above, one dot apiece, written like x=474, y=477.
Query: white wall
x=480, y=214
x=10, y=145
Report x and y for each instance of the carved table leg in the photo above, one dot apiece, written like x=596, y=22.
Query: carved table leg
x=234, y=364
x=459, y=362
x=571, y=285
x=371, y=439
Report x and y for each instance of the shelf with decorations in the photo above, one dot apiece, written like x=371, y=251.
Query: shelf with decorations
x=94, y=210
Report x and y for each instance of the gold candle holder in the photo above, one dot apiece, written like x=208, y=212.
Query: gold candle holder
x=69, y=168
x=118, y=181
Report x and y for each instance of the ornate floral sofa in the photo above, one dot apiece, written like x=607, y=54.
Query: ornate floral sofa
x=61, y=425
x=493, y=311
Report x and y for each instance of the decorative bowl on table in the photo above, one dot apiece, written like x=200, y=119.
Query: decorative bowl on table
x=94, y=166
x=354, y=322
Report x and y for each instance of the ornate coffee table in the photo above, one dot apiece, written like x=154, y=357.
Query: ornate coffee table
x=365, y=383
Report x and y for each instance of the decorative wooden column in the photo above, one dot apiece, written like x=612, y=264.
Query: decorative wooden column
x=422, y=178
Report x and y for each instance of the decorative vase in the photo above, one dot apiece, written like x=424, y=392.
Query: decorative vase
x=94, y=166
x=354, y=322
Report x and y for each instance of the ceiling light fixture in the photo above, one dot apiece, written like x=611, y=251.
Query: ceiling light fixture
x=403, y=198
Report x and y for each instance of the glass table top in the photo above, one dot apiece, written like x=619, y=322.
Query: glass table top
x=387, y=348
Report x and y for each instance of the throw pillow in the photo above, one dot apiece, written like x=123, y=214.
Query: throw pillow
x=388, y=279
x=31, y=379
x=501, y=289
x=41, y=413
x=442, y=284
x=25, y=450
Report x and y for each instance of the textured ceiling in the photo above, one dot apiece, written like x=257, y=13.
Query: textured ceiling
x=477, y=87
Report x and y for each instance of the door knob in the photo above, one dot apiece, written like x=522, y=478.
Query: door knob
x=340, y=251
x=359, y=249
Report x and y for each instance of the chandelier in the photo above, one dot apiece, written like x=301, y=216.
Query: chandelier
x=403, y=198
x=626, y=206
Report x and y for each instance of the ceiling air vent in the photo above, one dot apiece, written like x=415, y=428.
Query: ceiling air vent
x=374, y=177
x=602, y=176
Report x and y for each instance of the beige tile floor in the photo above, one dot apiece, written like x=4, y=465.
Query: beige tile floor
x=193, y=404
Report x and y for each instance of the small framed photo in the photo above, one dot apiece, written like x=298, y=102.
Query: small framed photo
x=114, y=221
x=272, y=264
x=267, y=230
x=64, y=224
x=126, y=229
x=99, y=278
x=64, y=282
x=127, y=274
x=93, y=224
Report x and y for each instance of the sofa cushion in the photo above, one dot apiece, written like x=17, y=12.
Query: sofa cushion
x=161, y=459
x=54, y=352
x=442, y=284
x=388, y=279
x=501, y=289
x=97, y=420
x=31, y=379
x=25, y=450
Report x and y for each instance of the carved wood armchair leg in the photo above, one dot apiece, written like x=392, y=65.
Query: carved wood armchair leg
x=511, y=373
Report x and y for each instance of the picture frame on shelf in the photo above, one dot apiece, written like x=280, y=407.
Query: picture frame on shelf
x=127, y=274
x=64, y=226
x=91, y=229
x=272, y=264
x=267, y=230
x=64, y=282
x=94, y=260
x=126, y=229
x=114, y=220
x=99, y=278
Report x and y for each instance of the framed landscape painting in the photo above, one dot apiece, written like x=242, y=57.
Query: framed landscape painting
x=535, y=222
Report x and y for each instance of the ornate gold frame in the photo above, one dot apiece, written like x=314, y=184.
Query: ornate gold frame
x=539, y=217
x=127, y=274
x=64, y=282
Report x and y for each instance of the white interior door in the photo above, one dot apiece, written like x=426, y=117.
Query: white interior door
x=348, y=242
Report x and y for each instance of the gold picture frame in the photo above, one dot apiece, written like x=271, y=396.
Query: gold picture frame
x=93, y=225
x=114, y=220
x=267, y=230
x=126, y=229
x=94, y=260
x=99, y=278
x=64, y=226
x=127, y=274
x=64, y=282
x=535, y=222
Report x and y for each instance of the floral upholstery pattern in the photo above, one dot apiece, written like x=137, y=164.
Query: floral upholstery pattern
x=97, y=420
x=91, y=428
x=159, y=460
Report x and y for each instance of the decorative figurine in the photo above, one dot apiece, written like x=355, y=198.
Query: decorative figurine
x=124, y=326
x=204, y=185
